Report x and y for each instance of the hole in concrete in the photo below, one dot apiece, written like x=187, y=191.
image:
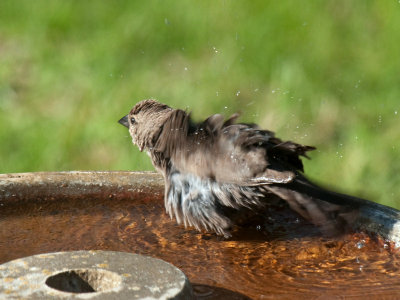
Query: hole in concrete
x=84, y=281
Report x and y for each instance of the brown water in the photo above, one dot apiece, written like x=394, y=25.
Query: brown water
x=264, y=261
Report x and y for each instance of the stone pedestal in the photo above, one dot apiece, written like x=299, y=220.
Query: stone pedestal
x=92, y=275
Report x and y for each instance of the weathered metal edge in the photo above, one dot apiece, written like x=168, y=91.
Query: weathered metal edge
x=103, y=184
x=373, y=217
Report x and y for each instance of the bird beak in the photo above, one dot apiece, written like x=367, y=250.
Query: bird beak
x=124, y=121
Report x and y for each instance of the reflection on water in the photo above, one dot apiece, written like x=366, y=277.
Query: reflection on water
x=273, y=257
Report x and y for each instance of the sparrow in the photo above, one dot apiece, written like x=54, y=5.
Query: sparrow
x=216, y=169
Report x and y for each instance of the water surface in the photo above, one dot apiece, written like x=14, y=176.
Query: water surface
x=278, y=257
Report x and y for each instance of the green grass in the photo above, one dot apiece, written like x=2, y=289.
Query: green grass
x=324, y=73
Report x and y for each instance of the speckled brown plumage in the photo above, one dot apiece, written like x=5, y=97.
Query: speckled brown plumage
x=217, y=167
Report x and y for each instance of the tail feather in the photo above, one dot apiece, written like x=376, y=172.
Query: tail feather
x=332, y=212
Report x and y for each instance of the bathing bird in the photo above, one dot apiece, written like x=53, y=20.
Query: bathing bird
x=218, y=170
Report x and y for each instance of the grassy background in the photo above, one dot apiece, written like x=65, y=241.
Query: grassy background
x=321, y=72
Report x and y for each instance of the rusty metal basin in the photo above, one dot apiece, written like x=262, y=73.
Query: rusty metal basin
x=279, y=256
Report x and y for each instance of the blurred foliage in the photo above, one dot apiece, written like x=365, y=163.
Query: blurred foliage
x=321, y=72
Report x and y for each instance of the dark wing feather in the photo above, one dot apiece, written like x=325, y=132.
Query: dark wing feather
x=228, y=152
x=173, y=133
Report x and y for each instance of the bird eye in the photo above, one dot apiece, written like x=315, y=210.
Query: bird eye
x=133, y=121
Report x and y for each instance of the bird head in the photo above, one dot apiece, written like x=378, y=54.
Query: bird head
x=145, y=121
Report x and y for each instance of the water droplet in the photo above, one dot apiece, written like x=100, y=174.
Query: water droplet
x=395, y=112
x=237, y=93
x=186, y=68
x=360, y=244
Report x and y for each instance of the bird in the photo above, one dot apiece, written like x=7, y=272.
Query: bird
x=218, y=170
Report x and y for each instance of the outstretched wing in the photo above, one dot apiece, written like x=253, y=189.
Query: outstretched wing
x=230, y=153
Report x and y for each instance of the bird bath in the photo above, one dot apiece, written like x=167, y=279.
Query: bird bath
x=279, y=256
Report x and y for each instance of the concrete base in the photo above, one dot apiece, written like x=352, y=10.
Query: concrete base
x=92, y=275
